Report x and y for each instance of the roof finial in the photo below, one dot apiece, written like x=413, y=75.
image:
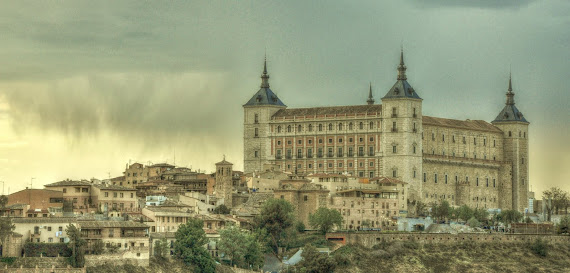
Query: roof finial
x=265, y=76
x=510, y=93
x=402, y=66
x=370, y=100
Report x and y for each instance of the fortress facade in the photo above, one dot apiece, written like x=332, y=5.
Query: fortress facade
x=470, y=162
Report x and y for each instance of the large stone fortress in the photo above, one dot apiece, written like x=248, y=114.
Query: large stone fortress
x=469, y=162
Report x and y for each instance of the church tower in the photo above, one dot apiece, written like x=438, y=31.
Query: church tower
x=401, y=133
x=257, y=131
x=515, y=148
x=224, y=187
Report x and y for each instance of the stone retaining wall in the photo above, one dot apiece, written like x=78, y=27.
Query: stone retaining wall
x=371, y=239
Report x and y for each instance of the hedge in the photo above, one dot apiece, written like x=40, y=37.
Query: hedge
x=47, y=249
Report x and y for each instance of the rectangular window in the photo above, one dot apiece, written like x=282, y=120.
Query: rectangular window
x=371, y=151
x=310, y=153
x=446, y=179
x=256, y=153
x=425, y=177
x=435, y=178
x=494, y=185
x=360, y=151
x=394, y=149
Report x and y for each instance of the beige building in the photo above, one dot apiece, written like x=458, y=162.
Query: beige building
x=137, y=173
x=130, y=238
x=166, y=219
x=305, y=197
x=374, y=205
x=77, y=193
x=43, y=230
x=394, y=139
x=115, y=199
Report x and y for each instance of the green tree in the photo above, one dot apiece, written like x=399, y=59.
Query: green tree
x=464, y=213
x=98, y=247
x=315, y=262
x=442, y=210
x=232, y=244
x=222, y=209
x=564, y=225
x=276, y=217
x=189, y=246
x=6, y=228
x=77, y=245
x=241, y=247
x=473, y=222
x=421, y=208
x=300, y=226
x=325, y=219
x=510, y=216
x=3, y=201
x=481, y=214
x=560, y=199
x=161, y=248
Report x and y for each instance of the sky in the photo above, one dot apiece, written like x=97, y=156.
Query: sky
x=88, y=86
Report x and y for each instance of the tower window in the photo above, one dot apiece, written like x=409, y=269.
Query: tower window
x=494, y=184
x=256, y=153
x=524, y=134
x=394, y=149
x=487, y=182
x=256, y=134
x=256, y=118
x=435, y=178
x=453, y=138
x=394, y=127
x=394, y=112
x=446, y=179
x=414, y=173
x=510, y=134
x=432, y=136
x=425, y=177
x=474, y=141
x=414, y=149
x=523, y=181
x=415, y=115
x=477, y=181
x=394, y=173
x=522, y=160
x=443, y=137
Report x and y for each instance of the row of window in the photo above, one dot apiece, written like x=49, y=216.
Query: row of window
x=320, y=166
x=120, y=195
x=321, y=127
x=321, y=141
x=464, y=141
x=436, y=179
x=340, y=152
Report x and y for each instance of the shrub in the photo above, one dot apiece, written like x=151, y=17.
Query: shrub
x=47, y=249
x=411, y=244
x=539, y=247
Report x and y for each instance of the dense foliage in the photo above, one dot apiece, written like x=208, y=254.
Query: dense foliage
x=189, y=246
x=316, y=262
x=46, y=249
x=241, y=248
x=221, y=209
x=276, y=217
x=161, y=248
x=77, y=245
x=325, y=219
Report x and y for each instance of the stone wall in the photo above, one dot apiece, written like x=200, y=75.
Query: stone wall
x=371, y=239
x=42, y=270
x=97, y=260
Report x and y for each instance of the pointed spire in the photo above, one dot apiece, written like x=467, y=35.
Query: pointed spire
x=370, y=100
x=265, y=76
x=402, y=67
x=510, y=93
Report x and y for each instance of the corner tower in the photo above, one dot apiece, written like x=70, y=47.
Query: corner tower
x=256, y=128
x=401, y=133
x=515, y=148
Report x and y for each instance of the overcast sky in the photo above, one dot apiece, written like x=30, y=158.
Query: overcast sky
x=89, y=86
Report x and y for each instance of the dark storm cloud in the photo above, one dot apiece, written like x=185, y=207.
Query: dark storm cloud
x=488, y=4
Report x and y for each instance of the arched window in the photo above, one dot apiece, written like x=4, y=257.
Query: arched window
x=361, y=125
x=371, y=126
x=279, y=129
x=320, y=127
x=310, y=127
x=330, y=127
x=350, y=126
x=340, y=126
x=299, y=128
x=289, y=128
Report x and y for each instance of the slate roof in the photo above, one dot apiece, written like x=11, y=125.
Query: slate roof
x=510, y=113
x=479, y=125
x=331, y=110
x=402, y=89
x=68, y=183
x=264, y=96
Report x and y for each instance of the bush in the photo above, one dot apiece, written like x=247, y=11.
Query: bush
x=539, y=247
x=8, y=260
x=300, y=227
x=411, y=244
